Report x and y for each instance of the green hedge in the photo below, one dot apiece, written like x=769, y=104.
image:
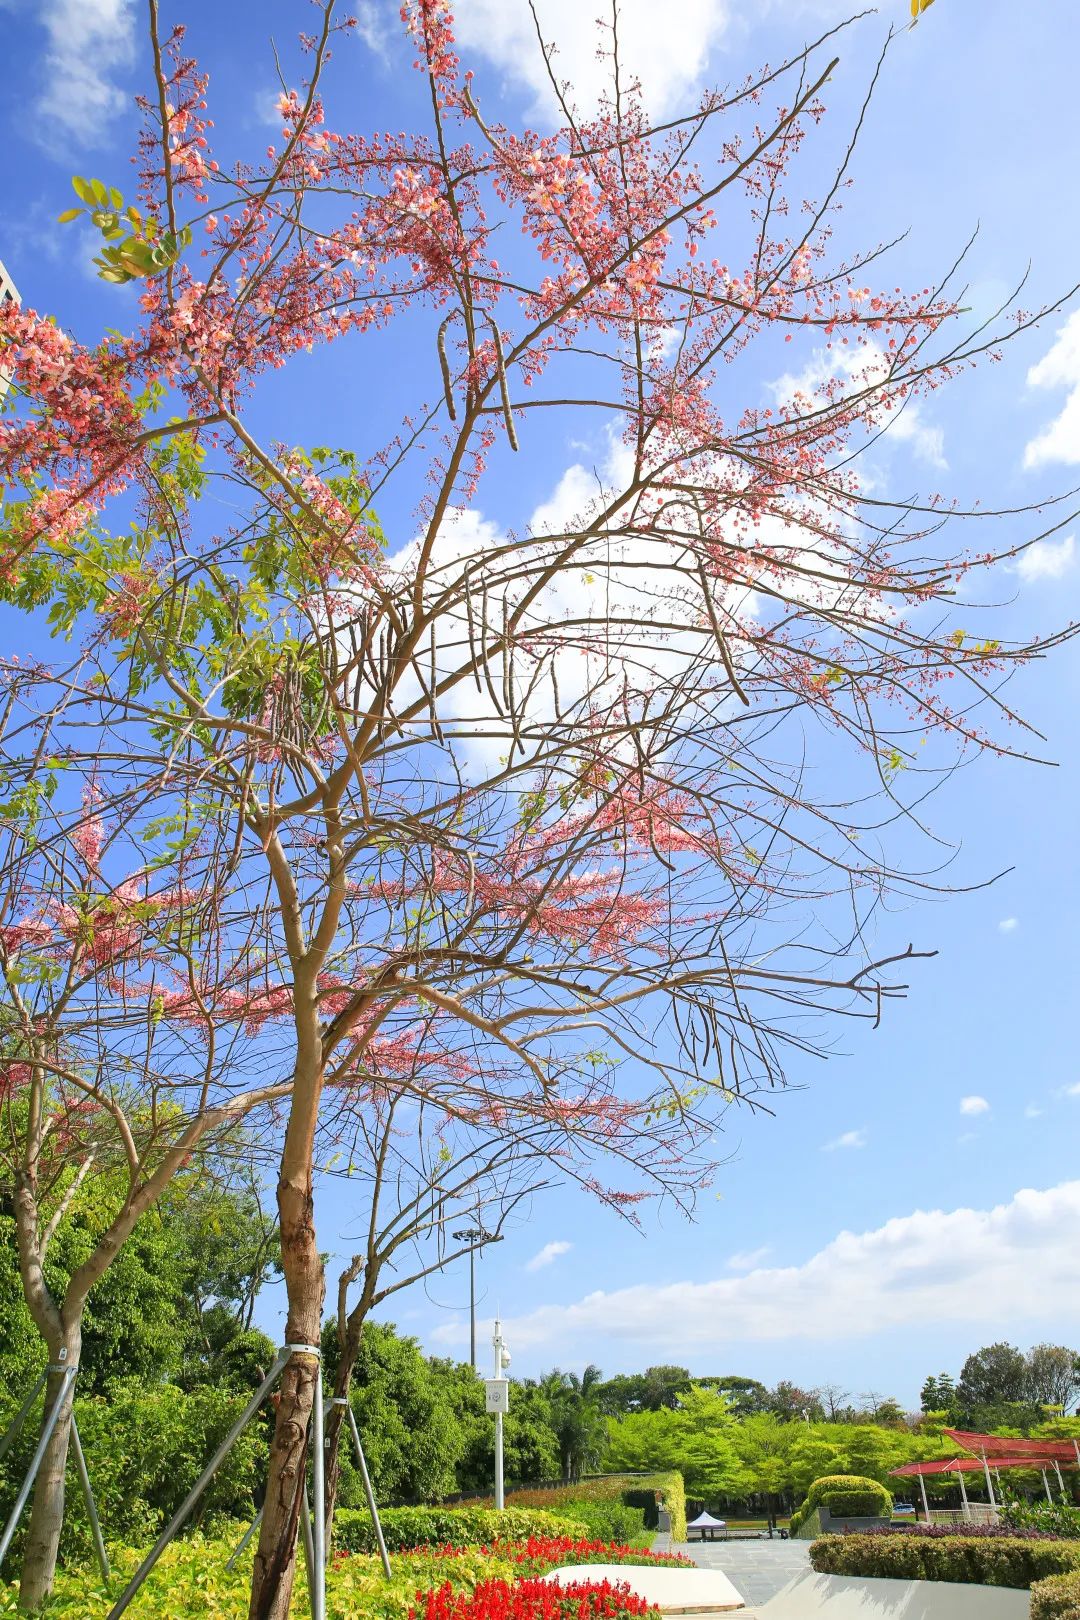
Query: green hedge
x=1056, y=1598
x=408, y=1527
x=846, y=1496
x=609, y=1521
x=980, y=1560
x=630, y=1490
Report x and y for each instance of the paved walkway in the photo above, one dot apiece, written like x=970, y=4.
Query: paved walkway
x=758, y=1569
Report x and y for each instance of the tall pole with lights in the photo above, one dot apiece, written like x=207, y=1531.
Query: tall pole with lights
x=475, y=1237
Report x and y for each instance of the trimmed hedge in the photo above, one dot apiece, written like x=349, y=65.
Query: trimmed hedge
x=1056, y=1598
x=407, y=1527
x=849, y=1495
x=629, y=1490
x=978, y=1560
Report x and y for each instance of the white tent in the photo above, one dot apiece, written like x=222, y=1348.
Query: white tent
x=705, y=1521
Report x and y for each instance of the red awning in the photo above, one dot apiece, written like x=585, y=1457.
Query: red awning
x=1000, y=1445
x=974, y=1465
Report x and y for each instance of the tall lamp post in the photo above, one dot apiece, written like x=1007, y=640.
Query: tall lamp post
x=476, y=1237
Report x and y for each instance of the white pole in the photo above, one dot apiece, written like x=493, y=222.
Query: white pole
x=925, y=1503
x=500, y=1501
x=989, y=1481
x=1046, y=1488
x=963, y=1494
x=1057, y=1471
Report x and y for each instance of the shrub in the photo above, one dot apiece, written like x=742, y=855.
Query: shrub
x=542, y=1553
x=1053, y=1517
x=1056, y=1598
x=844, y=1495
x=532, y=1600
x=608, y=1521
x=980, y=1560
x=632, y=1490
x=408, y=1527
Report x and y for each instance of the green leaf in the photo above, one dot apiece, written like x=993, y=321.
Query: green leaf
x=68, y=215
x=83, y=189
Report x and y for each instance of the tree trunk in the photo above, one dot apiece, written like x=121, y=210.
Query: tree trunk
x=275, y=1560
x=47, y=1512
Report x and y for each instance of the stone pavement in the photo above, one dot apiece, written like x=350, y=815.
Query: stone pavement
x=758, y=1569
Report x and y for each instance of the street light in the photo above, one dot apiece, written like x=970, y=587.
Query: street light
x=476, y=1237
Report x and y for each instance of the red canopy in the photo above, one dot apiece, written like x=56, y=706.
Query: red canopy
x=999, y=1445
x=974, y=1465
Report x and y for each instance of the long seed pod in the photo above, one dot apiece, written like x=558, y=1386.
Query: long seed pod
x=508, y=415
x=445, y=365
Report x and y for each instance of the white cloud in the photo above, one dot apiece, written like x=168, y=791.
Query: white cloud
x=665, y=47
x=748, y=1259
x=1047, y=559
x=1007, y=924
x=89, y=41
x=1073, y=1090
x=550, y=1252
x=858, y=369
x=1059, y=368
x=974, y=1105
x=1033, y=1111
x=849, y=1139
x=929, y=1266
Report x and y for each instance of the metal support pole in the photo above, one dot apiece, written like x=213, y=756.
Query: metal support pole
x=989, y=1481
x=472, y=1308
x=963, y=1495
x=91, y=1505
x=35, y=1463
x=234, y=1556
x=925, y=1503
x=318, y=1489
x=366, y=1477
x=309, y=1546
x=14, y=1429
x=1046, y=1487
x=1057, y=1471
x=182, y=1512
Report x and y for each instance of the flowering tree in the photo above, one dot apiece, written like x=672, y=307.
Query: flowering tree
x=538, y=808
x=111, y=1061
x=428, y=1160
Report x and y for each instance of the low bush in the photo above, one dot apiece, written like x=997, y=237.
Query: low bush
x=1056, y=1598
x=532, y=1600
x=540, y=1553
x=981, y=1560
x=408, y=1527
x=593, y=1496
x=937, y=1532
x=845, y=1496
x=1056, y=1518
x=191, y=1583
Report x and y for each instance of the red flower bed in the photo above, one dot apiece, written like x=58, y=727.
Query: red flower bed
x=531, y=1600
x=548, y=1552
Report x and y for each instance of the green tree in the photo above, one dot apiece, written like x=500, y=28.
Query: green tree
x=995, y=1375
x=1053, y=1375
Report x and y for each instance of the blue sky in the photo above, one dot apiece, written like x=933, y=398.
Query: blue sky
x=967, y=1100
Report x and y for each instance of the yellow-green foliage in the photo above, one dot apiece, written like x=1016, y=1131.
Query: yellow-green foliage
x=190, y=1583
x=1056, y=1598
